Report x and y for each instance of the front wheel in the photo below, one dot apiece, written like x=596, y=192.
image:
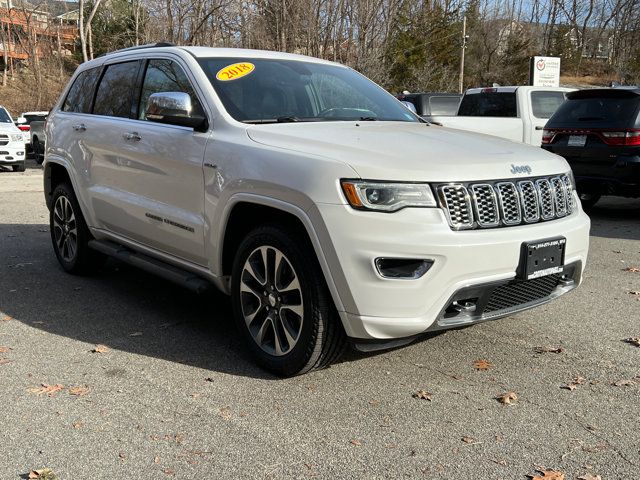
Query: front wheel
x=282, y=305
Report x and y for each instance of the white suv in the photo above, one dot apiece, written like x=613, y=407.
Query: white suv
x=11, y=143
x=327, y=210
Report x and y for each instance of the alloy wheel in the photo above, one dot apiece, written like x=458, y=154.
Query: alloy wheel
x=65, y=230
x=271, y=300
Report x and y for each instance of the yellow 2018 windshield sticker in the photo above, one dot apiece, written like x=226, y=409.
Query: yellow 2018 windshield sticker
x=235, y=71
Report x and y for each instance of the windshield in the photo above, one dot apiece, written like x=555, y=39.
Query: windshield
x=4, y=116
x=273, y=91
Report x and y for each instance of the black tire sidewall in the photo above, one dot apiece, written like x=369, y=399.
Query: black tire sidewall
x=82, y=253
x=317, y=308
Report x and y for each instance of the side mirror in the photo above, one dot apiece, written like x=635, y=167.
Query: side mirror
x=409, y=105
x=174, y=108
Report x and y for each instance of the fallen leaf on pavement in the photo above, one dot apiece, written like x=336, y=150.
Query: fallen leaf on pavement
x=208, y=379
x=6, y=318
x=122, y=455
x=632, y=269
x=422, y=395
x=548, y=475
x=589, y=476
x=634, y=292
x=225, y=413
x=482, y=364
x=78, y=391
x=77, y=425
x=548, y=349
x=623, y=383
x=169, y=471
x=466, y=439
x=4, y=361
x=46, y=389
x=507, y=398
x=633, y=341
x=571, y=386
x=43, y=474
x=500, y=462
x=100, y=349
x=4, y=349
x=357, y=443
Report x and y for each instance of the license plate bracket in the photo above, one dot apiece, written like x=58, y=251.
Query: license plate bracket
x=542, y=258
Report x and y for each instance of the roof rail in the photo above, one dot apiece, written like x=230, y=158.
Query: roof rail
x=140, y=47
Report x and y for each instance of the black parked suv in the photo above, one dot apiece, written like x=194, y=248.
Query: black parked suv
x=598, y=132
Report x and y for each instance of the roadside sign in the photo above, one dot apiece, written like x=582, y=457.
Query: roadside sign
x=544, y=71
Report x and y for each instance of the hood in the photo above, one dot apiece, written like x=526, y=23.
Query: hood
x=9, y=128
x=411, y=151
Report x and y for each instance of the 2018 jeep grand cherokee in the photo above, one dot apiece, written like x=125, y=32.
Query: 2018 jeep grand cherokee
x=325, y=208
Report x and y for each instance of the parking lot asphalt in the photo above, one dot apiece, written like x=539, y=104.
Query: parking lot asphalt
x=173, y=393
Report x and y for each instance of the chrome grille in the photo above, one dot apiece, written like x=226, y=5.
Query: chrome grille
x=506, y=203
x=458, y=205
x=560, y=196
x=530, y=202
x=509, y=203
x=486, y=205
x=546, y=199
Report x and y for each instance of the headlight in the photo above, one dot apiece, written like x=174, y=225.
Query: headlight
x=16, y=137
x=387, y=197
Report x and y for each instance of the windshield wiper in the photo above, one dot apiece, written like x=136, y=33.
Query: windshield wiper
x=287, y=119
x=368, y=119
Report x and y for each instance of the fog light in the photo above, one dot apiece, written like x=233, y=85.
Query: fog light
x=405, y=268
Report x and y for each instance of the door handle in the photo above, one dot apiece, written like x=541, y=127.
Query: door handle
x=210, y=165
x=132, y=136
x=79, y=127
x=538, y=127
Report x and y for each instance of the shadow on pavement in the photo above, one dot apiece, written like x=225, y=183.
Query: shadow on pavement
x=614, y=217
x=122, y=307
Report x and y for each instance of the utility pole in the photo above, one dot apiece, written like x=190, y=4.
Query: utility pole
x=464, y=47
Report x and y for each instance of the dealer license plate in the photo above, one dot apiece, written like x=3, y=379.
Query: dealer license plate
x=542, y=258
x=577, y=140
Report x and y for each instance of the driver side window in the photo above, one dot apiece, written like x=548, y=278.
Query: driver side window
x=166, y=76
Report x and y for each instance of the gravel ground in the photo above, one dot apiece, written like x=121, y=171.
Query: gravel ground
x=175, y=395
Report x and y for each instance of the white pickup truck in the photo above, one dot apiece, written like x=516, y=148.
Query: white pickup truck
x=514, y=113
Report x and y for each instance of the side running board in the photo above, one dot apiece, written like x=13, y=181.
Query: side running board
x=151, y=265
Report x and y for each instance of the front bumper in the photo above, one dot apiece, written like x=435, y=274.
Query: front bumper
x=377, y=308
x=12, y=155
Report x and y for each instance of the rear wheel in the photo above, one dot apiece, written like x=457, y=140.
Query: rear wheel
x=588, y=200
x=282, y=305
x=19, y=168
x=69, y=233
x=38, y=151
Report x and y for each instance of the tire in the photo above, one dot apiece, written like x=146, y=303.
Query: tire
x=261, y=302
x=38, y=151
x=70, y=235
x=588, y=200
x=20, y=167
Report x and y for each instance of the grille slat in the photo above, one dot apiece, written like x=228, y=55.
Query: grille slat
x=506, y=203
x=517, y=293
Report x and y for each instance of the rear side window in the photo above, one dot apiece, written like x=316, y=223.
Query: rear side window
x=81, y=92
x=443, y=105
x=489, y=104
x=602, y=112
x=116, y=88
x=544, y=104
x=166, y=76
x=4, y=116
